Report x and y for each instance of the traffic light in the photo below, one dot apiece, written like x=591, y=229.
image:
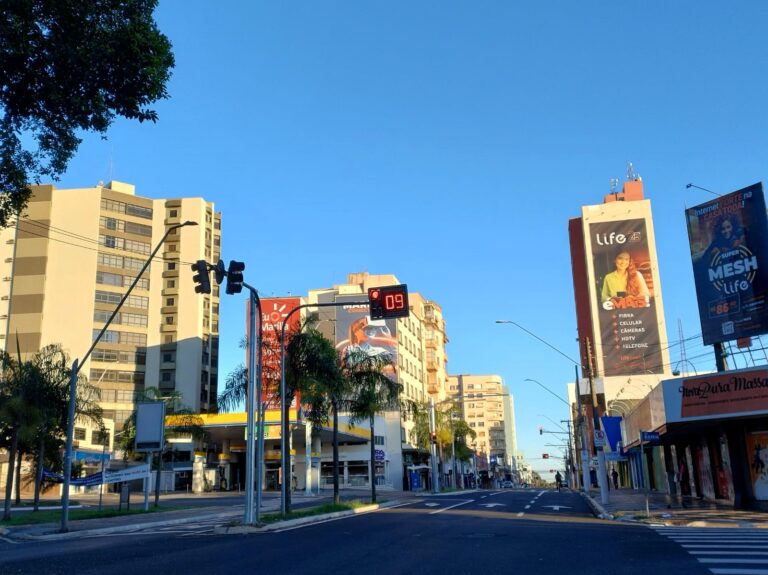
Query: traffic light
x=433, y=436
x=545, y=455
x=541, y=430
x=220, y=272
x=235, y=277
x=388, y=301
x=202, y=279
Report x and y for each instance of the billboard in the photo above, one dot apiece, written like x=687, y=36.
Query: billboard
x=273, y=313
x=624, y=297
x=355, y=328
x=729, y=250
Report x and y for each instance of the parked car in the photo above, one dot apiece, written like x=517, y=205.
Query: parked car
x=507, y=484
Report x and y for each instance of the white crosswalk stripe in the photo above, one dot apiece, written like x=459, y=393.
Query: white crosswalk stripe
x=724, y=551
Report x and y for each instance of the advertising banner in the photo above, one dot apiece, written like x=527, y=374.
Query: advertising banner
x=729, y=249
x=273, y=313
x=626, y=307
x=724, y=393
x=356, y=329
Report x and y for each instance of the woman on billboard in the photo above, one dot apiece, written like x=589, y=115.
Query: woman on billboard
x=727, y=234
x=625, y=286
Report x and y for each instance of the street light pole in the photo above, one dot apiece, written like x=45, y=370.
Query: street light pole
x=74, y=372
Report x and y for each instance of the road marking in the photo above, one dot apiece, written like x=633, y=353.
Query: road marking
x=427, y=504
x=451, y=507
x=490, y=505
x=554, y=507
x=9, y=541
x=521, y=514
x=728, y=552
x=739, y=571
x=709, y=546
x=526, y=507
x=739, y=561
x=335, y=519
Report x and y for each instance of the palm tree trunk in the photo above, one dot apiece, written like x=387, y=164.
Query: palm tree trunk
x=9, y=476
x=19, y=459
x=336, y=497
x=39, y=472
x=373, y=465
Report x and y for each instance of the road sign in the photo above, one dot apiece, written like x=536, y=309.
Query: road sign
x=599, y=438
x=649, y=436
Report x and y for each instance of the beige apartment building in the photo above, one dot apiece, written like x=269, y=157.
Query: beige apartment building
x=487, y=407
x=418, y=343
x=70, y=259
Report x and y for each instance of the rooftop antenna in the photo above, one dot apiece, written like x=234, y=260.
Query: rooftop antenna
x=614, y=185
x=631, y=176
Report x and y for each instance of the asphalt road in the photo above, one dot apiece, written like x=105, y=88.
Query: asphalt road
x=514, y=531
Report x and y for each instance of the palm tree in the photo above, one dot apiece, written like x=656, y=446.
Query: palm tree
x=372, y=392
x=20, y=400
x=312, y=368
x=53, y=366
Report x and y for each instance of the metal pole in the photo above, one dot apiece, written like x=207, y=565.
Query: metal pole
x=76, y=368
x=103, y=457
x=249, y=410
x=147, y=480
x=602, y=478
x=259, y=404
x=642, y=473
x=435, y=480
x=68, y=449
x=582, y=424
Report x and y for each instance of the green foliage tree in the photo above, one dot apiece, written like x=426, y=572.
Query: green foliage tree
x=34, y=399
x=67, y=67
x=372, y=391
x=312, y=368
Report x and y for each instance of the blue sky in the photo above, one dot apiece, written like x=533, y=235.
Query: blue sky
x=449, y=143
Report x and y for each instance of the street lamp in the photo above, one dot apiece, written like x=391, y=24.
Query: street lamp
x=76, y=365
x=548, y=390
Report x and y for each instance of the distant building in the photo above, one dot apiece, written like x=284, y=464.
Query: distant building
x=488, y=408
x=70, y=259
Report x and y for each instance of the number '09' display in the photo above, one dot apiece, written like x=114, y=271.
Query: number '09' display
x=388, y=301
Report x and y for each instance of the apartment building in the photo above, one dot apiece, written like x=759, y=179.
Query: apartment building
x=417, y=345
x=487, y=407
x=69, y=260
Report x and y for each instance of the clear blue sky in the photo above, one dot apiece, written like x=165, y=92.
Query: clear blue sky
x=449, y=143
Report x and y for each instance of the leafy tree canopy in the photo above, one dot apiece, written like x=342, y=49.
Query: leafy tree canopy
x=68, y=66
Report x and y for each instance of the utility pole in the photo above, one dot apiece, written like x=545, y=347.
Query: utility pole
x=583, y=426
x=602, y=479
x=433, y=440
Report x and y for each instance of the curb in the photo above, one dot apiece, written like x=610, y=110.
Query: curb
x=597, y=509
x=280, y=525
x=116, y=529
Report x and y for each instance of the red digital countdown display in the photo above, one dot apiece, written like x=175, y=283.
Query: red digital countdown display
x=388, y=301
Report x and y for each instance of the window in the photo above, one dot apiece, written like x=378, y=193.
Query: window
x=170, y=302
x=79, y=434
x=171, y=266
x=169, y=320
x=109, y=279
x=168, y=357
x=378, y=440
x=170, y=284
x=99, y=438
x=173, y=213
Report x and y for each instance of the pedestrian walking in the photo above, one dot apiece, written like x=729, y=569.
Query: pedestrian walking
x=558, y=480
x=615, y=476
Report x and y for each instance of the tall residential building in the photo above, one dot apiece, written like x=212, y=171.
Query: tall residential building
x=70, y=259
x=417, y=346
x=488, y=409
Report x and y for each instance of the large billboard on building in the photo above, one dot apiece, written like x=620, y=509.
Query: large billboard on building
x=624, y=298
x=273, y=313
x=356, y=329
x=729, y=249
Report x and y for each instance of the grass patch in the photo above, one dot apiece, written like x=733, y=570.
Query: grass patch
x=53, y=516
x=312, y=511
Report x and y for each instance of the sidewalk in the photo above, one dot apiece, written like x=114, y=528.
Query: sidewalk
x=629, y=505
x=193, y=508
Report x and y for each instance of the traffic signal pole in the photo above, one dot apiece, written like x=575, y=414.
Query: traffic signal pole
x=75, y=370
x=254, y=450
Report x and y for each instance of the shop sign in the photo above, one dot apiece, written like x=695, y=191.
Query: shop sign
x=722, y=393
